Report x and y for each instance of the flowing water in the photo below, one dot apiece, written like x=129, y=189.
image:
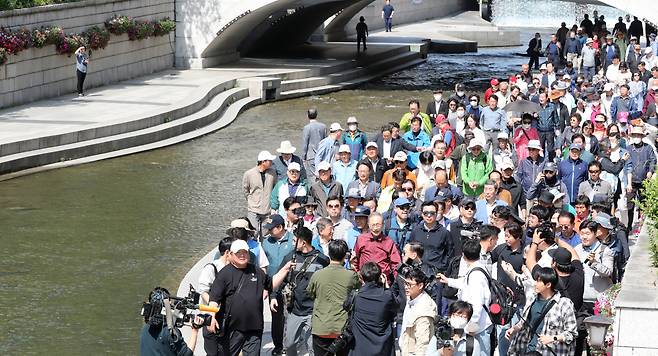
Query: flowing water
x=83, y=246
x=543, y=13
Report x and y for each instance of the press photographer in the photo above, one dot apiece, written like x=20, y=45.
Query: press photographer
x=164, y=316
x=453, y=339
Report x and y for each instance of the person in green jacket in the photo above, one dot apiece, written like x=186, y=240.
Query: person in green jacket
x=475, y=168
x=414, y=110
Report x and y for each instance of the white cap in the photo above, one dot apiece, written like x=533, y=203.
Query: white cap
x=506, y=163
x=647, y=50
x=294, y=166
x=372, y=144
x=543, y=67
x=240, y=223
x=608, y=87
x=335, y=127
x=534, y=144
x=323, y=166
x=266, y=156
x=238, y=245
x=503, y=136
x=352, y=120
x=566, y=76
x=286, y=147
x=400, y=156
x=439, y=164
x=475, y=142
x=344, y=148
x=637, y=130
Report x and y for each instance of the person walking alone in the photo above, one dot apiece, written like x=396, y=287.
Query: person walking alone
x=361, y=34
x=81, y=62
x=387, y=15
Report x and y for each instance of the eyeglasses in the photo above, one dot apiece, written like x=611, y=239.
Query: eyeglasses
x=404, y=207
x=469, y=207
x=333, y=206
x=407, y=189
x=549, y=172
x=565, y=227
x=595, y=171
x=429, y=213
x=409, y=284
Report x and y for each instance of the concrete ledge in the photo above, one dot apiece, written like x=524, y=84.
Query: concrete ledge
x=637, y=303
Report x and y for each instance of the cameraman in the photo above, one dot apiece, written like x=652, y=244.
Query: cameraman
x=157, y=339
x=460, y=313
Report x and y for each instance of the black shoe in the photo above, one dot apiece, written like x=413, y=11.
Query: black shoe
x=278, y=352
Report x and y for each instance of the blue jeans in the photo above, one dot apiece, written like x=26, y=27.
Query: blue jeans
x=484, y=339
x=388, y=23
x=588, y=72
x=503, y=343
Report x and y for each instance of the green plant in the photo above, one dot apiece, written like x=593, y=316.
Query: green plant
x=163, y=27
x=119, y=25
x=650, y=209
x=97, y=37
x=144, y=29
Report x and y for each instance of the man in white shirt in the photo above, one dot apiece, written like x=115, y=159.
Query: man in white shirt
x=474, y=289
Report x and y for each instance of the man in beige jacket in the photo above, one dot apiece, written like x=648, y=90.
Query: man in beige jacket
x=257, y=184
x=417, y=333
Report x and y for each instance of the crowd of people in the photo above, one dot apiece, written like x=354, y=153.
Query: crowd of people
x=481, y=224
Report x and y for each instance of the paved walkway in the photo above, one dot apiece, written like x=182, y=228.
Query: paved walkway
x=153, y=94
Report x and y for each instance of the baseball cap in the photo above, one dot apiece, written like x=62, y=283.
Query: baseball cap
x=401, y=201
x=335, y=127
x=575, y=146
x=561, y=256
x=494, y=82
x=506, y=164
x=603, y=219
x=353, y=193
x=647, y=50
x=550, y=166
x=637, y=130
x=466, y=201
x=542, y=67
x=323, y=166
x=534, y=144
x=241, y=223
x=344, y=148
x=460, y=86
x=352, y=120
x=400, y=156
x=546, y=197
x=371, y=144
x=438, y=91
x=238, y=245
x=502, y=135
x=294, y=166
x=361, y=211
x=589, y=40
x=266, y=156
x=274, y=221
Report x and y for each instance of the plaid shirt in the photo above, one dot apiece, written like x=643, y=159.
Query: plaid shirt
x=559, y=321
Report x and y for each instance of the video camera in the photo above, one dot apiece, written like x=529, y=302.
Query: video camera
x=471, y=231
x=175, y=309
x=443, y=332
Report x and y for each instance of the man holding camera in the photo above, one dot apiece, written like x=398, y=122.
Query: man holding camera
x=329, y=288
x=158, y=338
x=306, y=260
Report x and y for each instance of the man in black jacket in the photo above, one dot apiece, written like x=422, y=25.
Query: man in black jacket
x=388, y=145
x=437, y=106
x=298, y=323
x=507, y=181
x=435, y=239
x=465, y=221
x=534, y=49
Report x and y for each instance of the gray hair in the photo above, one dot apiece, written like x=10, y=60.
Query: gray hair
x=322, y=223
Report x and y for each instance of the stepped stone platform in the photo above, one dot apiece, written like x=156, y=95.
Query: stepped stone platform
x=177, y=105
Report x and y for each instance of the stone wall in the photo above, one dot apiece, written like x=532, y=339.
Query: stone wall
x=39, y=73
x=406, y=11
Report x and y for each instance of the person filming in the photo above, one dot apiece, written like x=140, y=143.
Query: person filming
x=157, y=338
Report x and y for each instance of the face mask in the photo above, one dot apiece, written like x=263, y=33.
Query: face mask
x=525, y=126
x=460, y=93
x=351, y=127
x=595, y=103
x=438, y=97
x=458, y=322
x=636, y=140
x=474, y=102
x=460, y=113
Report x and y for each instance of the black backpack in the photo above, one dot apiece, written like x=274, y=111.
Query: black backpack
x=501, y=307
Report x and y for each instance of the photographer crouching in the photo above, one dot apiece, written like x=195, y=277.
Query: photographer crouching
x=454, y=341
x=161, y=336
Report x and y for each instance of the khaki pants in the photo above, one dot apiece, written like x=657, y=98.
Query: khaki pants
x=573, y=57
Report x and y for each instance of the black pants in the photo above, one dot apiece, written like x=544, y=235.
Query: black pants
x=547, y=141
x=360, y=39
x=637, y=194
x=321, y=347
x=581, y=340
x=247, y=342
x=534, y=59
x=278, y=324
x=212, y=343
x=81, y=80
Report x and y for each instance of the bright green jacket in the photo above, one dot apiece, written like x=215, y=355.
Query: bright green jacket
x=475, y=169
x=405, y=123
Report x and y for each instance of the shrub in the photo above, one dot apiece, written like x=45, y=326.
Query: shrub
x=143, y=29
x=45, y=36
x=650, y=209
x=119, y=25
x=97, y=37
x=163, y=27
x=68, y=44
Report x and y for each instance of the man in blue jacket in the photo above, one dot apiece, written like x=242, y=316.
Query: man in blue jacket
x=547, y=124
x=624, y=103
x=643, y=162
x=573, y=171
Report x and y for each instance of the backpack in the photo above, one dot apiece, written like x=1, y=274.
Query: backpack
x=452, y=272
x=501, y=306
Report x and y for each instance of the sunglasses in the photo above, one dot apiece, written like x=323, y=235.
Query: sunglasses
x=469, y=207
x=595, y=171
x=429, y=213
x=404, y=207
x=333, y=206
x=408, y=189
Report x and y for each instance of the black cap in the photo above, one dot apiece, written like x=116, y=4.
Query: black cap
x=546, y=197
x=362, y=211
x=467, y=200
x=561, y=256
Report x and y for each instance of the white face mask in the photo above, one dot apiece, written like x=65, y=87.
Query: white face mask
x=636, y=140
x=458, y=322
x=525, y=126
x=460, y=113
x=460, y=93
x=474, y=102
x=595, y=103
x=351, y=127
x=438, y=97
